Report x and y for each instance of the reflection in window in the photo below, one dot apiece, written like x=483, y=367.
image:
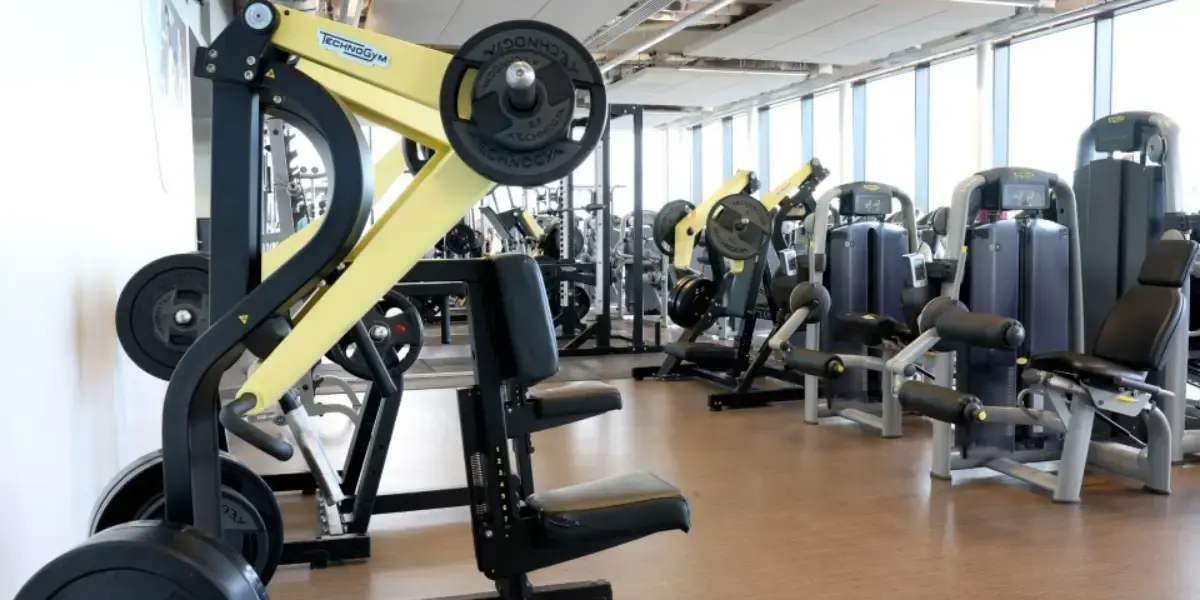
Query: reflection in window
x=891, y=131
x=679, y=164
x=953, y=127
x=1050, y=99
x=827, y=138
x=1144, y=77
x=712, y=158
x=787, y=141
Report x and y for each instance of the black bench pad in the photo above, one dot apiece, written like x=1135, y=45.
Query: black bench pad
x=703, y=353
x=573, y=399
x=622, y=507
x=1083, y=365
x=874, y=329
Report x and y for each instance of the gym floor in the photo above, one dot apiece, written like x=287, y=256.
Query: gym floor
x=781, y=510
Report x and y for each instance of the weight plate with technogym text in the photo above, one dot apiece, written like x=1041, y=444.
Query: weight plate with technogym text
x=395, y=327
x=492, y=132
x=253, y=523
x=665, y=221
x=737, y=227
x=162, y=310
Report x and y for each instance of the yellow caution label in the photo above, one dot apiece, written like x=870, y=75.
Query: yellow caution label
x=1116, y=119
x=868, y=317
x=1126, y=398
x=964, y=250
x=270, y=74
x=1022, y=361
x=243, y=318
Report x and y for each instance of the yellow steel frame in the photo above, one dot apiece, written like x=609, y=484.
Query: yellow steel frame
x=401, y=95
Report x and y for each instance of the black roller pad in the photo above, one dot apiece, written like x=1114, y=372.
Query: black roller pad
x=812, y=362
x=939, y=403
x=977, y=329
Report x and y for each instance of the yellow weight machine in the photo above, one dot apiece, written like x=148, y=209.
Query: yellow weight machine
x=500, y=110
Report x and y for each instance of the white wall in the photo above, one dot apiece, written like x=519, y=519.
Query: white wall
x=97, y=172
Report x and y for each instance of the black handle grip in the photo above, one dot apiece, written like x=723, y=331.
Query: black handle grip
x=941, y=404
x=983, y=330
x=231, y=417
x=818, y=364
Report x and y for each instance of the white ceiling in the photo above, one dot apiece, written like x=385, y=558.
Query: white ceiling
x=451, y=22
x=844, y=32
x=649, y=120
x=672, y=87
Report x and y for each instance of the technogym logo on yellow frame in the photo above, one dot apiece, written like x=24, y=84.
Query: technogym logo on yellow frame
x=351, y=49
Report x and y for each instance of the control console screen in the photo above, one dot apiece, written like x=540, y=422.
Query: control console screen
x=1024, y=196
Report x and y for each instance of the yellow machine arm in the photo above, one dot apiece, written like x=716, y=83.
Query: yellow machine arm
x=399, y=92
x=780, y=192
x=693, y=223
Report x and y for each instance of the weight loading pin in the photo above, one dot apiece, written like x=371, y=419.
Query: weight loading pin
x=522, y=94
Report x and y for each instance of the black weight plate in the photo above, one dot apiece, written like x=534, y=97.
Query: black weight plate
x=136, y=490
x=242, y=528
x=400, y=321
x=664, y=224
x=461, y=240
x=158, y=560
x=416, y=156
x=737, y=227
x=692, y=298
x=147, y=305
x=523, y=148
x=674, y=306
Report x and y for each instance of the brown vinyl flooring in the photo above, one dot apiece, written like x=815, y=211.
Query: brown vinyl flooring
x=781, y=510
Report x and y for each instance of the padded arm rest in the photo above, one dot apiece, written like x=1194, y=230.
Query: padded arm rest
x=978, y=329
x=587, y=398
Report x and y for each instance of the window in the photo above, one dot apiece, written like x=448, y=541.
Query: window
x=787, y=141
x=953, y=127
x=827, y=138
x=1146, y=78
x=743, y=144
x=892, y=131
x=712, y=158
x=654, y=168
x=1051, y=99
x=679, y=164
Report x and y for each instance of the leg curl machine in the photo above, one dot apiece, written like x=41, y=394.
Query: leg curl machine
x=343, y=273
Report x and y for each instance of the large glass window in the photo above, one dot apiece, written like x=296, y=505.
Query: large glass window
x=712, y=158
x=654, y=168
x=679, y=164
x=953, y=127
x=787, y=140
x=827, y=138
x=743, y=144
x=1145, y=76
x=1051, y=103
x=891, y=130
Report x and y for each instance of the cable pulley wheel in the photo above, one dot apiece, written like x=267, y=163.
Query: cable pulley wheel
x=398, y=332
x=416, y=156
x=252, y=522
x=508, y=101
x=663, y=227
x=737, y=227
x=162, y=310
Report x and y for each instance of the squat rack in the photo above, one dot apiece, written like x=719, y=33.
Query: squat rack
x=600, y=332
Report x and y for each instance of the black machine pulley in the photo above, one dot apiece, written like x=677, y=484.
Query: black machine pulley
x=462, y=240
x=738, y=226
x=513, y=124
x=663, y=228
x=252, y=521
x=162, y=310
x=690, y=300
x=416, y=156
x=395, y=327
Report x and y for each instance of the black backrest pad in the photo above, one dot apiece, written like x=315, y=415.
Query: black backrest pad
x=1139, y=327
x=526, y=311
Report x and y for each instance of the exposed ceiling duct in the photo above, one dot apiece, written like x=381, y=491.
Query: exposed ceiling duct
x=622, y=25
x=679, y=25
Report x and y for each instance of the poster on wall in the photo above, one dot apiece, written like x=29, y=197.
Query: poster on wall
x=167, y=44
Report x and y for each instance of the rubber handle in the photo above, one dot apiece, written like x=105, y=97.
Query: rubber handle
x=232, y=418
x=983, y=330
x=941, y=404
x=819, y=364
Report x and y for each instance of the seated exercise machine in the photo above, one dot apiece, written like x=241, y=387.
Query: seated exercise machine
x=738, y=228
x=342, y=273
x=875, y=289
x=1130, y=184
x=1059, y=392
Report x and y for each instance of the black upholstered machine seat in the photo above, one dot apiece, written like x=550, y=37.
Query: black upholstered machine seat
x=706, y=355
x=577, y=398
x=874, y=329
x=1083, y=365
x=622, y=507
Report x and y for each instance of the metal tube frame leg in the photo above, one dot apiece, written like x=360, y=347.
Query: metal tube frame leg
x=943, y=433
x=812, y=384
x=1076, y=444
x=889, y=417
x=1156, y=456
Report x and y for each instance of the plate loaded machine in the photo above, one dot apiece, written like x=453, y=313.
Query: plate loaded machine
x=1129, y=180
x=870, y=267
x=343, y=273
x=739, y=228
x=1059, y=390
